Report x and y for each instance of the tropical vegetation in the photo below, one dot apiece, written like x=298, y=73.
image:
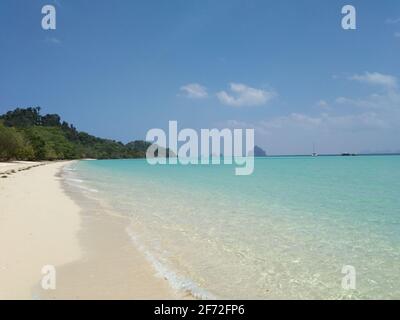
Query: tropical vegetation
x=25, y=134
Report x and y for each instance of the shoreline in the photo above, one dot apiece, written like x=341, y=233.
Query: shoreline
x=43, y=223
x=37, y=226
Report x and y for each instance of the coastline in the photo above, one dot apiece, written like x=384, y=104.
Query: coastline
x=41, y=223
x=38, y=224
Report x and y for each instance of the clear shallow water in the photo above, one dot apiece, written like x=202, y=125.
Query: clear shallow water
x=284, y=232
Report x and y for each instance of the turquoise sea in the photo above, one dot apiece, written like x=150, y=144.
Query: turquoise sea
x=284, y=232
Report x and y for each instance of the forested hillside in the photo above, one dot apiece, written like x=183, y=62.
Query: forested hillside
x=27, y=135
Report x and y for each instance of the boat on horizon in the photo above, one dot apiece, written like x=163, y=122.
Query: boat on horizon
x=314, y=154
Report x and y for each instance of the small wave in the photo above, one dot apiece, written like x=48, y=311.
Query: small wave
x=75, y=180
x=177, y=282
x=69, y=169
x=78, y=183
x=87, y=189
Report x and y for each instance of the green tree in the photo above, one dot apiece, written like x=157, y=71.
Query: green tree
x=26, y=134
x=22, y=117
x=11, y=143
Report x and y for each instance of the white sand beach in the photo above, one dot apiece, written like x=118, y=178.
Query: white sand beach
x=41, y=225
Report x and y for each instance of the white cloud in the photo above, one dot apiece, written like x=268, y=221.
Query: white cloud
x=357, y=102
x=387, y=101
x=376, y=78
x=245, y=96
x=325, y=122
x=194, y=91
x=295, y=123
x=53, y=40
x=323, y=104
x=296, y=132
x=373, y=125
x=393, y=20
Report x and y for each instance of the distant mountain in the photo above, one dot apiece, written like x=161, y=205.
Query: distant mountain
x=27, y=135
x=258, y=152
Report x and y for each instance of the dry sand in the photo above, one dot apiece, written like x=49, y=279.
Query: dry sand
x=41, y=225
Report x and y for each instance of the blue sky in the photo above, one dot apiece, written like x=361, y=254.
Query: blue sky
x=286, y=68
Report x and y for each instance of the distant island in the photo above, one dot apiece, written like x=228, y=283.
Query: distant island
x=25, y=134
x=258, y=152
